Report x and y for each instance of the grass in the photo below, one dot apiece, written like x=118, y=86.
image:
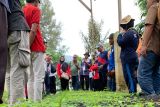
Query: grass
x=87, y=99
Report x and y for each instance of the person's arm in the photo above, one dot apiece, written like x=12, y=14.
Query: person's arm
x=33, y=32
x=149, y=25
x=35, y=24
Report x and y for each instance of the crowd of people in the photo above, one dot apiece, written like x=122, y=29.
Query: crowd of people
x=25, y=68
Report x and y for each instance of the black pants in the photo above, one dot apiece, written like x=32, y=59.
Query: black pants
x=103, y=80
x=84, y=78
x=91, y=83
x=50, y=84
x=64, y=84
x=96, y=85
x=3, y=47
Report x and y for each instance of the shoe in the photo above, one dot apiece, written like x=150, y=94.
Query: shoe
x=152, y=97
x=141, y=94
x=1, y=102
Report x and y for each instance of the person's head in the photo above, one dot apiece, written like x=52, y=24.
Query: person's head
x=74, y=57
x=34, y=2
x=48, y=58
x=86, y=55
x=62, y=59
x=111, y=39
x=151, y=2
x=100, y=47
x=127, y=22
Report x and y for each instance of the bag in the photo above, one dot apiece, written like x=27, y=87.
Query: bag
x=65, y=76
x=111, y=74
x=24, y=50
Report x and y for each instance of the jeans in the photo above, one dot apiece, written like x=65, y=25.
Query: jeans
x=112, y=83
x=75, y=82
x=129, y=70
x=149, y=73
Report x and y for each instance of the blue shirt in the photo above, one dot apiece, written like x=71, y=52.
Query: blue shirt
x=111, y=59
x=129, y=44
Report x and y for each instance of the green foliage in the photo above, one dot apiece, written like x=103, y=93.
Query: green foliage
x=88, y=99
x=22, y=2
x=142, y=5
x=51, y=30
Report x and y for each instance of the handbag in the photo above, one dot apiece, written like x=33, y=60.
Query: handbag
x=65, y=76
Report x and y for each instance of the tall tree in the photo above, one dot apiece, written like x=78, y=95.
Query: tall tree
x=94, y=35
x=51, y=30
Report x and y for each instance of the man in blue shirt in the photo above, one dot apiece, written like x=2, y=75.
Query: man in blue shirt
x=102, y=64
x=111, y=65
x=128, y=41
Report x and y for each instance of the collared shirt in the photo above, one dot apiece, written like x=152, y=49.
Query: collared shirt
x=32, y=15
x=154, y=43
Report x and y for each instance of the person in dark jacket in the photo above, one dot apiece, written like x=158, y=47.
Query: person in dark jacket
x=128, y=41
x=50, y=76
x=4, y=8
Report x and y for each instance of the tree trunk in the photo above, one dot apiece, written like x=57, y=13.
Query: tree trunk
x=120, y=82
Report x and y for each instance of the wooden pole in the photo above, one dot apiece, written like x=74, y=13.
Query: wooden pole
x=120, y=82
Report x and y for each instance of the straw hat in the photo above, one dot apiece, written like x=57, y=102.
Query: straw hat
x=126, y=20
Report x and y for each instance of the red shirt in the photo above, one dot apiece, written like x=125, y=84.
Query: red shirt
x=32, y=15
x=94, y=70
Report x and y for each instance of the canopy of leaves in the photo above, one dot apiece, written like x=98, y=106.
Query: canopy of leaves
x=142, y=5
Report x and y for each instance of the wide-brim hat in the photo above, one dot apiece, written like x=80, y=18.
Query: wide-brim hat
x=87, y=53
x=126, y=20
